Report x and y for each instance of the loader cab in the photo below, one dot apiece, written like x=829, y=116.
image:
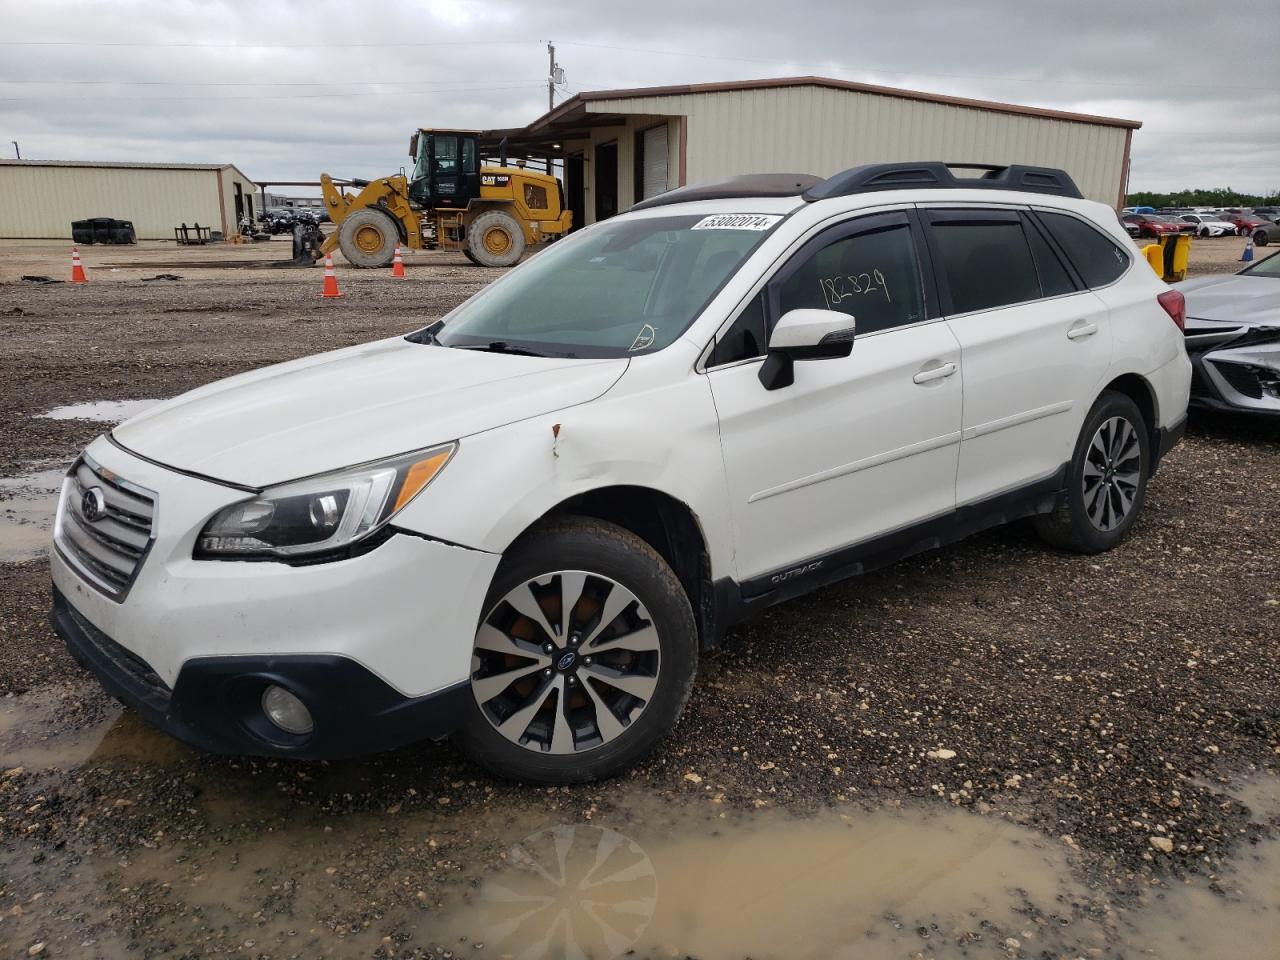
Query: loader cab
x=446, y=170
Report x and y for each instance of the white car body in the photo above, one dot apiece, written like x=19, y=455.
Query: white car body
x=1208, y=225
x=779, y=482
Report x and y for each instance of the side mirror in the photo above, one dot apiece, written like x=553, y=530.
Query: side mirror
x=413, y=146
x=805, y=335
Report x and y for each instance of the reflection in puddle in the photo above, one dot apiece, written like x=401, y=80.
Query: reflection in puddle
x=27, y=505
x=100, y=411
x=860, y=885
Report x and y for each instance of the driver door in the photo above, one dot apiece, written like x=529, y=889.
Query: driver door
x=857, y=446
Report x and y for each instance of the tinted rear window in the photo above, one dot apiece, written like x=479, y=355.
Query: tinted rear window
x=987, y=265
x=1096, y=257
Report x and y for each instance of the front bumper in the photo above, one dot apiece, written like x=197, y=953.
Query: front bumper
x=215, y=704
x=1238, y=378
x=364, y=640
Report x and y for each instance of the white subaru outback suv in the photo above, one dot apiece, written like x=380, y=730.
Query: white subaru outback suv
x=520, y=525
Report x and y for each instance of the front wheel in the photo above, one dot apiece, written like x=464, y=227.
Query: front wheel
x=1106, y=480
x=495, y=239
x=584, y=659
x=368, y=239
x=1261, y=238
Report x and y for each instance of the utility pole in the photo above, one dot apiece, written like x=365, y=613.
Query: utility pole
x=554, y=75
x=551, y=76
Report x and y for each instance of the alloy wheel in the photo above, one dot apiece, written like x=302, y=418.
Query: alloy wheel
x=1112, y=471
x=565, y=662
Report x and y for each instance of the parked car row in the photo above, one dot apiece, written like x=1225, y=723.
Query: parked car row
x=1224, y=223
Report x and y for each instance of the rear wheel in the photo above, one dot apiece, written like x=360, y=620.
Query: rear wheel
x=1106, y=481
x=466, y=252
x=584, y=659
x=495, y=239
x=368, y=239
x=1261, y=237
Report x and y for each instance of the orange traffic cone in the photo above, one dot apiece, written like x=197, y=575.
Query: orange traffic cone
x=330, y=278
x=397, y=264
x=77, y=269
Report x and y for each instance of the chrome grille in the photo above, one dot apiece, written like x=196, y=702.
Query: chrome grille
x=106, y=541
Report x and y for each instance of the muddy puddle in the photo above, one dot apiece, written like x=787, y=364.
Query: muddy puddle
x=529, y=874
x=100, y=411
x=27, y=505
x=59, y=727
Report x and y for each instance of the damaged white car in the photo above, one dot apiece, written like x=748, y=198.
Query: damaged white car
x=1233, y=338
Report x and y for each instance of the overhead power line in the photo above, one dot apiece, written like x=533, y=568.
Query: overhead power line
x=270, y=96
x=273, y=83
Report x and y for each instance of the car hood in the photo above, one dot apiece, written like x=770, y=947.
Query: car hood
x=1233, y=299
x=351, y=406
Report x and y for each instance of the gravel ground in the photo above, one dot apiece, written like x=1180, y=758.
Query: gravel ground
x=1099, y=701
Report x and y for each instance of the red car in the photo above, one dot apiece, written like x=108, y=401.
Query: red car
x=1151, y=225
x=1263, y=230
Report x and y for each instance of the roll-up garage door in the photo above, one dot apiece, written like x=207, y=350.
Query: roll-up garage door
x=654, y=173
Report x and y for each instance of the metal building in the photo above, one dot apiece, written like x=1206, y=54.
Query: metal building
x=42, y=197
x=621, y=146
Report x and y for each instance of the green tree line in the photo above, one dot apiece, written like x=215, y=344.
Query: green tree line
x=1221, y=197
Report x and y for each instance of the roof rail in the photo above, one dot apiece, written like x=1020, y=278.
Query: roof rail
x=937, y=175
x=747, y=185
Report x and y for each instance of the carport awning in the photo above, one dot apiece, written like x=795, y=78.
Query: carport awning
x=545, y=137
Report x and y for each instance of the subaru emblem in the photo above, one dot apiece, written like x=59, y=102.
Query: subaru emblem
x=93, y=505
x=565, y=662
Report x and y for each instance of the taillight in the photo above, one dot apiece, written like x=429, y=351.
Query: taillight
x=1175, y=305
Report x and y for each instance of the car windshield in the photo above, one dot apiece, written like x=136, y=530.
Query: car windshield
x=1269, y=267
x=624, y=287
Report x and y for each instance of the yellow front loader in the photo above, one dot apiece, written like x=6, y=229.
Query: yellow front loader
x=450, y=202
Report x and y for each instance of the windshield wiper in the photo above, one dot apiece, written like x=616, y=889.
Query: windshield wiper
x=501, y=346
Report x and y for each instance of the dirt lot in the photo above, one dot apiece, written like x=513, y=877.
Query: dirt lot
x=989, y=750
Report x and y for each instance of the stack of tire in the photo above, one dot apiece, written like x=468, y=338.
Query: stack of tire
x=102, y=230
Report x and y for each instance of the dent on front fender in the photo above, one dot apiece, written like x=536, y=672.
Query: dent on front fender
x=503, y=481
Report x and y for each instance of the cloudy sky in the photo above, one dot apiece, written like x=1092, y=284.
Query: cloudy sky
x=285, y=89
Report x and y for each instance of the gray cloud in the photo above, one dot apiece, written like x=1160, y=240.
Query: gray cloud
x=286, y=89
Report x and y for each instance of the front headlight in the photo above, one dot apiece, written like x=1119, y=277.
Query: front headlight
x=321, y=513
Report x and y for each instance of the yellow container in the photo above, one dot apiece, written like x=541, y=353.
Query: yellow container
x=1169, y=256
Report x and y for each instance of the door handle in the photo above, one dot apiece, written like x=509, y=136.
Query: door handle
x=1082, y=329
x=929, y=374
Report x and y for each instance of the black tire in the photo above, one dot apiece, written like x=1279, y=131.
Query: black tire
x=607, y=550
x=368, y=239
x=1070, y=526
x=466, y=252
x=1261, y=237
x=495, y=239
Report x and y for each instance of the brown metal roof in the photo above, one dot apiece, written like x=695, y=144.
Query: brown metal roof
x=578, y=101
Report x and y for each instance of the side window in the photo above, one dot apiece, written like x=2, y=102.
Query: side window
x=873, y=276
x=746, y=337
x=1054, y=279
x=469, y=155
x=986, y=264
x=1097, y=258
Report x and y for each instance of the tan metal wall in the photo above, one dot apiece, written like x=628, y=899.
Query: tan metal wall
x=822, y=131
x=41, y=202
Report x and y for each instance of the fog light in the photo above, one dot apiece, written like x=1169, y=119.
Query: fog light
x=286, y=711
